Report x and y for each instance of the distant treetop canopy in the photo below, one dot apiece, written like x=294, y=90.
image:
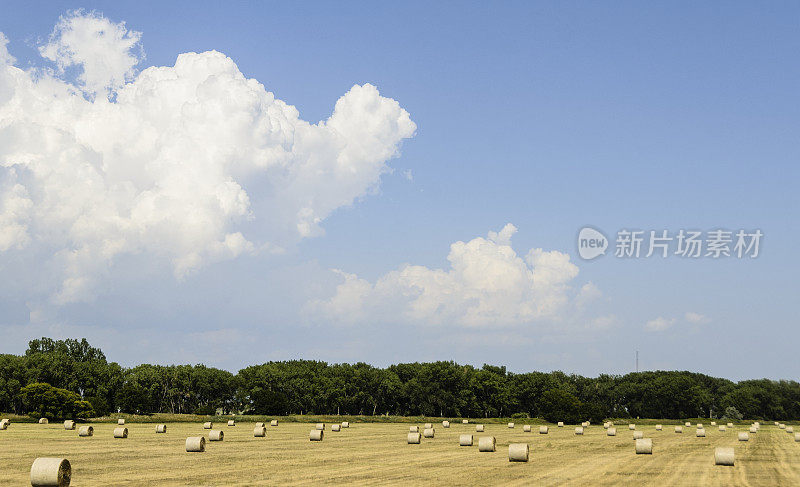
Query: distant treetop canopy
x=72, y=378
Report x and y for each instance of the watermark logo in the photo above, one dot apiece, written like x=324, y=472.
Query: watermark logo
x=591, y=243
x=688, y=244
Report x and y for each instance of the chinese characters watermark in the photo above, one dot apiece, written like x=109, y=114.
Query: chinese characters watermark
x=690, y=244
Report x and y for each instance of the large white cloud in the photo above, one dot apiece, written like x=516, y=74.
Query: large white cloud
x=487, y=284
x=175, y=162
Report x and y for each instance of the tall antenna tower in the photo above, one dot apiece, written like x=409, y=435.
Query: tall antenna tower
x=637, y=361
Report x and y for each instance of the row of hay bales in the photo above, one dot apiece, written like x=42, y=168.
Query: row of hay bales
x=57, y=472
x=724, y=456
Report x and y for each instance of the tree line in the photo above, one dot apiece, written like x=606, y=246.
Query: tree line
x=70, y=378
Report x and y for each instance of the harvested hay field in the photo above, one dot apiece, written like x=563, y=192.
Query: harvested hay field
x=378, y=453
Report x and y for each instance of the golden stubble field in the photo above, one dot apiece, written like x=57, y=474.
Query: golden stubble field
x=377, y=454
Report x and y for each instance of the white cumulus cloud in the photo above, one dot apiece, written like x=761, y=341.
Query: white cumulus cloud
x=487, y=284
x=191, y=163
x=697, y=318
x=659, y=324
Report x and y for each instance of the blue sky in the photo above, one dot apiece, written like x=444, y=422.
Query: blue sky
x=550, y=116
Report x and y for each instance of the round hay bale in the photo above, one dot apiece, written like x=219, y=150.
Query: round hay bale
x=782, y=426
x=464, y=421
x=445, y=424
x=216, y=435
x=429, y=432
x=120, y=432
x=487, y=443
x=560, y=424
x=585, y=424
x=274, y=422
x=797, y=437
x=776, y=423
x=543, y=430
x=69, y=424
x=120, y=421
x=753, y=429
x=320, y=426
x=413, y=429
x=659, y=427
x=722, y=427
x=699, y=425
x=687, y=424
x=723, y=456
x=86, y=431
x=479, y=428
x=789, y=429
x=3, y=425
x=526, y=428
x=260, y=425
x=611, y=431
x=231, y=422
x=510, y=425
x=259, y=431
x=43, y=421
x=195, y=444
x=606, y=425
x=414, y=438
x=345, y=424
x=316, y=435
x=631, y=426
x=579, y=430
x=518, y=452
x=638, y=435
x=336, y=427
x=428, y=426
x=713, y=423
x=51, y=472
x=208, y=425
x=743, y=436
x=679, y=429
x=644, y=446
x=730, y=425
x=465, y=440
x=700, y=433
x=161, y=428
